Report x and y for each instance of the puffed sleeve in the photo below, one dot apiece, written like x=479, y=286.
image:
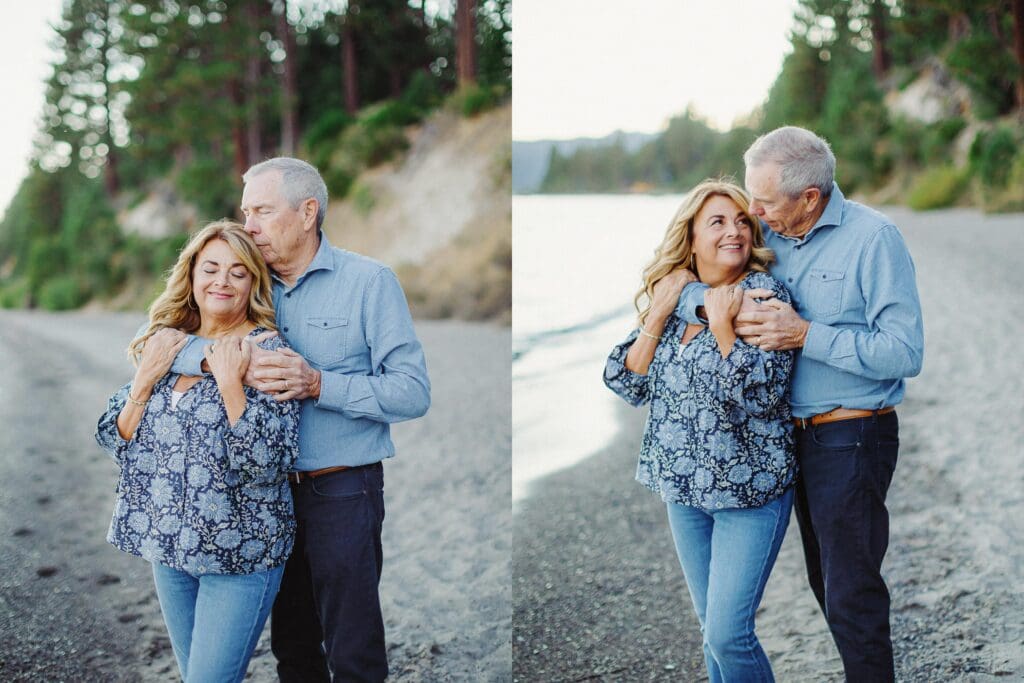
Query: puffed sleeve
x=264, y=443
x=750, y=379
x=634, y=389
x=107, y=435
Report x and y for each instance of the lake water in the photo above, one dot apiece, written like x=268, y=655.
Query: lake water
x=577, y=266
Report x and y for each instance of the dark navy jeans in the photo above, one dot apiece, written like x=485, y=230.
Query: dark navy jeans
x=326, y=619
x=845, y=471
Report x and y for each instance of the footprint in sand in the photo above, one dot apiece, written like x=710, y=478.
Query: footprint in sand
x=43, y=500
x=22, y=531
x=47, y=571
x=128, y=617
x=108, y=579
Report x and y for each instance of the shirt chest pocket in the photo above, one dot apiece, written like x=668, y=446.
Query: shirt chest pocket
x=326, y=340
x=824, y=295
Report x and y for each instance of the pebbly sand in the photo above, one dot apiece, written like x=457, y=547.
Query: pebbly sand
x=598, y=593
x=72, y=608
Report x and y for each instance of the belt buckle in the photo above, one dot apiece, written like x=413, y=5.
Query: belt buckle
x=803, y=422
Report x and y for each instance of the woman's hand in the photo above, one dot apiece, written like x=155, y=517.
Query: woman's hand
x=666, y=293
x=228, y=358
x=158, y=354
x=721, y=305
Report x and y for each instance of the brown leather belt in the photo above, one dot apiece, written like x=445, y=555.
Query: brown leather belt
x=838, y=414
x=299, y=477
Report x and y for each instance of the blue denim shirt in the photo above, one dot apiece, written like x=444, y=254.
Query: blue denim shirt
x=851, y=275
x=347, y=316
x=719, y=433
x=196, y=493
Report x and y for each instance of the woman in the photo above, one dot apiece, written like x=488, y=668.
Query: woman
x=202, y=492
x=718, y=443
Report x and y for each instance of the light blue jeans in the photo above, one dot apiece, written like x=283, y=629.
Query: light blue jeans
x=215, y=620
x=727, y=556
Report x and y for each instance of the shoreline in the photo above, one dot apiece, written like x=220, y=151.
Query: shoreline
x=600, y=596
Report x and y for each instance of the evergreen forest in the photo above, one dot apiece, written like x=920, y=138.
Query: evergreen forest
x=921, y=100
x=176, y=98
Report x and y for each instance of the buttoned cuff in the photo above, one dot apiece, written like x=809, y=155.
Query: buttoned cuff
x=334, y=391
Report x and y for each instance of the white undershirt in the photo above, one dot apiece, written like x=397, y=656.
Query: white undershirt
x=175, y=397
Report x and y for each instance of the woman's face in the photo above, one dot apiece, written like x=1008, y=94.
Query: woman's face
x=220, y=282
x=722, y=237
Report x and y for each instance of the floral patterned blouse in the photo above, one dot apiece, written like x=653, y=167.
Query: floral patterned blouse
x=719, y=433
x=197, y=494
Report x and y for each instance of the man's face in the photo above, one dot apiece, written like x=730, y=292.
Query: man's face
x=276, y=227
x=784, y=215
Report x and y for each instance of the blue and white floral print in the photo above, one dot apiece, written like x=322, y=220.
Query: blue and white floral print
x=197, y=494
x=719, y=433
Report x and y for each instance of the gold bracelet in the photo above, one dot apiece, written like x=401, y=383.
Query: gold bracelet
x=138, y=403
x=648, y=334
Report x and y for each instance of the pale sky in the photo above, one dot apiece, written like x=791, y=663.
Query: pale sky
x=25, y=56
x=585, y=68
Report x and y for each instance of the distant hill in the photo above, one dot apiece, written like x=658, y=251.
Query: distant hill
x=530, y=159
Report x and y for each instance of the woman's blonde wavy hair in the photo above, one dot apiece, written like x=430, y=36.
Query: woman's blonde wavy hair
x=176, y=306
x=677, y=247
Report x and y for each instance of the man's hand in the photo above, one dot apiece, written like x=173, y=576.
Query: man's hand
x=665, y=296
x=283, y=373
x=771, y=325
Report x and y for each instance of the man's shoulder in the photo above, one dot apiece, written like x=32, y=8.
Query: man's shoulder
x=356, y=265
x=864, y=219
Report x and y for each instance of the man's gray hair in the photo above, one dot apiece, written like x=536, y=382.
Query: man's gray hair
x=804, y=159
x=299, y=182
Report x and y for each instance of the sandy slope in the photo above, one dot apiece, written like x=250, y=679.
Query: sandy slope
x=598, y=595
x=72, y=608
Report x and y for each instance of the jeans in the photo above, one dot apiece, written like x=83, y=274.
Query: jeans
x=327, y=619
x=215, y=620
x=845, y=471
x=726, y=557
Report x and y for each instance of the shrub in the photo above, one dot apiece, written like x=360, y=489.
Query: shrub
x=321, y=138
x=992, y=154
x=473, y=99
x=209, y=185
x=61, y=293
x=936, y=188
x=14, y=294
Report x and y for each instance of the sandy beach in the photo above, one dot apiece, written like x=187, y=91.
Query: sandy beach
x=598, y=593
x=72, y=608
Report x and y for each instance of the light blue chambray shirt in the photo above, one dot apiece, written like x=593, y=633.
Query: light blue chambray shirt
x=851, y=275
x=348, y=317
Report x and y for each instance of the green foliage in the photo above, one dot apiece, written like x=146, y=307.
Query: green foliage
x=320, y=138
x=470, y=100
x=209, y=184
x=363, y=198
x=61, y=293
x=14, y=294
x=936, y=188
x=992, y=154
x=986, y=69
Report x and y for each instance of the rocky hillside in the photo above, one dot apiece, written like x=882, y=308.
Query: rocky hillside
x=441, y=216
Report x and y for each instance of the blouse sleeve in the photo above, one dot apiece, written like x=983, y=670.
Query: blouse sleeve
x=263, y=444
x=633, y=388
x=107, y=435
x=750, y=379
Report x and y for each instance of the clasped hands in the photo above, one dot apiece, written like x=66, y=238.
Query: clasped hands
x=758, y=318
x=283, y=373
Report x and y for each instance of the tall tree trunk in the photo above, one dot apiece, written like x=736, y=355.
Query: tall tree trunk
x=349, y=66
x=465, y=41
x=111, y=181
x=253, y=123
x=880, y=59
x=1018, y=51
x=289, y=89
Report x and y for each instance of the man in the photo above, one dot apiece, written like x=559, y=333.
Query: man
x=357, y=367
x=856, y=323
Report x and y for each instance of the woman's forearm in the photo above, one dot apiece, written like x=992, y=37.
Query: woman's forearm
x=641, y=353
x=131, y=415
x=233, y=394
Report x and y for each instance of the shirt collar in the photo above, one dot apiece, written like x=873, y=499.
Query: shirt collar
x=322, y=260
x=832, y=216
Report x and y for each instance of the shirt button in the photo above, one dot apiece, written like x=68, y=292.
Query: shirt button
x=286, y=329
x=790, y=279
x=288, y=295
